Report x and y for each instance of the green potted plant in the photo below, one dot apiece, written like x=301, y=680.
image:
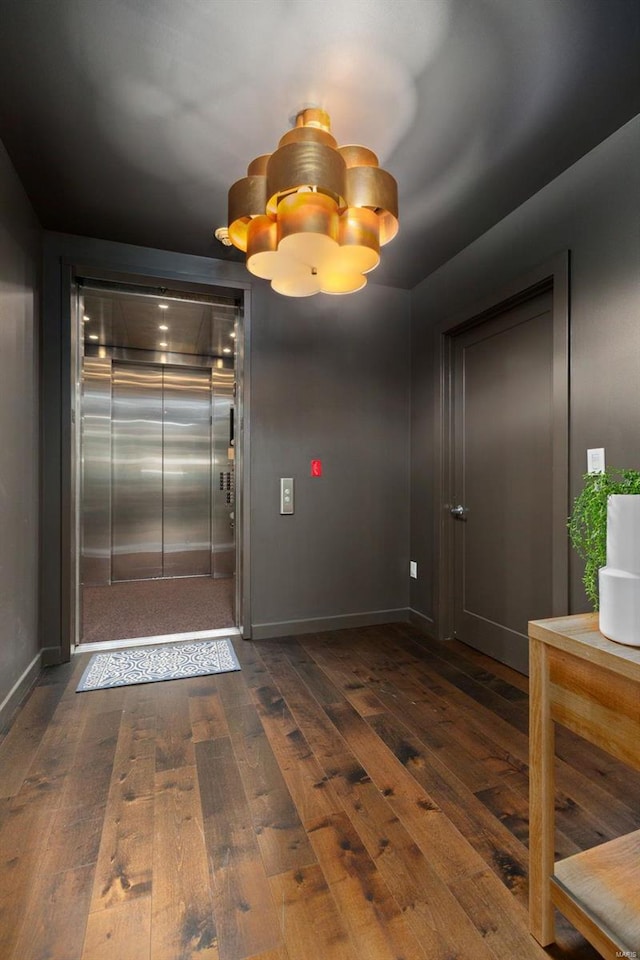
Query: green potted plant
x=588, y=521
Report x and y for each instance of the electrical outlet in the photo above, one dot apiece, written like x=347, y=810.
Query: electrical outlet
x=413, y=569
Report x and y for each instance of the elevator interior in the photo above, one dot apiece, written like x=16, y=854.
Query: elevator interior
x=157, y=446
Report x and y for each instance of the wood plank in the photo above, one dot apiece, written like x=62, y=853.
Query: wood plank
x=246, y=917
x=89, y=774
x=406, y=697
x=32, y=823
x=413, y=871
x=122, y=931
x=352, y=687
x=483, y=762
x=310, y=788
x=433, y=832
x=497, y=677
x=508, y=748
x=183, y=923
x=280, y=953
x=235, y=686
x=503, y=751
x=21, y=743
x=123, y=870
x=310, y=921
x=282, y=839
x=488, y=837
x=206, y=713
x=174, y=744
x=375, y=922
x=430, y=909
x=308, y=785
x=514, y=712
x=509, y=807
x=462, y=651
x=55, y=922
x=25, y=826
x=322, y=688
x=56, y=755
x=605, y=881
x=503, y=924
x=396, y=773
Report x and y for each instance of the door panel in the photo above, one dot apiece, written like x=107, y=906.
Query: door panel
x=187, y=472
x=137, y=472
x=95, y=465
x=503, y=453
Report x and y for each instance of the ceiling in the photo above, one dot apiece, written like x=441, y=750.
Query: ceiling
x=123, y=319
x=128, y=120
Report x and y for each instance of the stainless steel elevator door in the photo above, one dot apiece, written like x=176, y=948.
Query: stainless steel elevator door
x=95, y=507
x=161, y=483
x=137, y=472
x=187, y=472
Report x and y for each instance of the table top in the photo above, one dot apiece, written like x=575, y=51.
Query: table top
x=579, y=635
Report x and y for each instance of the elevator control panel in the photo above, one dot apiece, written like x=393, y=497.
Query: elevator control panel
x=227, y=484
x=286, y=495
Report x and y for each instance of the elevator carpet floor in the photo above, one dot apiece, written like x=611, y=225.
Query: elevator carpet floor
x=150, y=608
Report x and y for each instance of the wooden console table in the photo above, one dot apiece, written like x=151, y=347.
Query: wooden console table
x=592, y=686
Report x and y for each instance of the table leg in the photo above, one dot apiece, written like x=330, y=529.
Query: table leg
x=541, y=796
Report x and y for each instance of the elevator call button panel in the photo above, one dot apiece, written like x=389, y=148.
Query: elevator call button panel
x=286, y=495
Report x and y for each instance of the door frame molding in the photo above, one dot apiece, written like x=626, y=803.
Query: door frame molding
x=551, y=275
x=65, y=258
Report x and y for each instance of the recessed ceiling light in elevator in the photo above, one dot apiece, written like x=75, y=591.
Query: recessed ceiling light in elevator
x=127, y=320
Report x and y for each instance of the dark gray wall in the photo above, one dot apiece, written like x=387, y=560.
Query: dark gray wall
x=591, y=210
x=328, y=379
x=19, y=283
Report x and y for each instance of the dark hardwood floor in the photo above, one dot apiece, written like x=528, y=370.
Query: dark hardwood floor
x=359, y=795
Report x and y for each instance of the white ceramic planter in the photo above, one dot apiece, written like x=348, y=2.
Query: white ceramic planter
x=619, y=581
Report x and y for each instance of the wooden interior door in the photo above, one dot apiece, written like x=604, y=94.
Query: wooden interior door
x=503, y=408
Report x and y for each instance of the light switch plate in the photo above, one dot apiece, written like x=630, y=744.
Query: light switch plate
x=413, y=569
x=595, y=460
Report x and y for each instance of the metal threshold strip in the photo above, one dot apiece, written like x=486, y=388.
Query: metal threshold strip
x=162, y=638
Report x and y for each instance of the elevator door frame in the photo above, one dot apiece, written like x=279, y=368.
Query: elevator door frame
x=70, y=557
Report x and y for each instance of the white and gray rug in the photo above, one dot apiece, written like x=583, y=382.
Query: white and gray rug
x=170, y=661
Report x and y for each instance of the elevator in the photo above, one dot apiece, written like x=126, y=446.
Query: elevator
x=152, y=437
x=157, y=465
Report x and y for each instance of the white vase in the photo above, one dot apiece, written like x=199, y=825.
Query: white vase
x=619, y=581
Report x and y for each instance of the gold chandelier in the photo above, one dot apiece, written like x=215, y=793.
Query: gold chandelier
x=311, y=217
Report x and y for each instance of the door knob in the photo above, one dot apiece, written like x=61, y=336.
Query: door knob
x=458, y=513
